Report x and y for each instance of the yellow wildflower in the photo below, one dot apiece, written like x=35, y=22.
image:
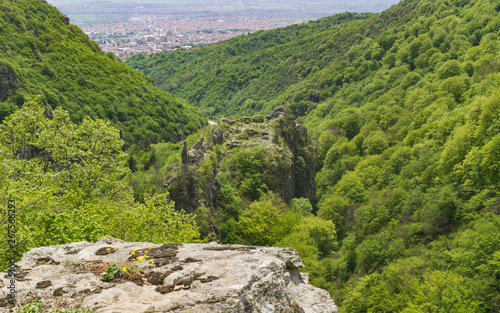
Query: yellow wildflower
x=136, y=249
x=152, y=262
x=132, y=252
x=116, y=249
x=124, y=269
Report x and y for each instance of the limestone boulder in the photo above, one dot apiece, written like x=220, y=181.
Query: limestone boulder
x=196, y=278
x=218, y=136
x=226, y=121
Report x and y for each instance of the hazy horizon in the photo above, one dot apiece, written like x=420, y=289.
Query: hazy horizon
x=85, y=12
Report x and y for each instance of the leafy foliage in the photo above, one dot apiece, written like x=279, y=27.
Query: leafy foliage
x=267, y=220
x=67, y=184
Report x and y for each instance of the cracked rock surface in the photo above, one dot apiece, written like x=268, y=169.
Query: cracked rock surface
x=195, y=278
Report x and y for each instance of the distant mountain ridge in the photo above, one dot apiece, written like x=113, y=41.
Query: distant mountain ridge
x=41, y=53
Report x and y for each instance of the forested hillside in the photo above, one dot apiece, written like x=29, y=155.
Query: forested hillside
x=243, y=74
x=41, y=53
x=404, y=108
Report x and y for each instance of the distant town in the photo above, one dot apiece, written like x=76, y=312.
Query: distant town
x=146, y=34
x=129, y=27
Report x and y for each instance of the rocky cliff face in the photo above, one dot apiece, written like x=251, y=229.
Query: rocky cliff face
x=116, y=276
x=8, y=83
x=289, y=169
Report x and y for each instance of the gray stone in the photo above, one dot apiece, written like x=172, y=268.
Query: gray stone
x=227, y=121
x=199, y=144
x=192, y=156
x=195, y=156
x=184, y=277
x=233, y=144
x=248, y=132
x=218, y=136
x=245, y=120
x=269, y=116
x=207, y=146
x=258, y=119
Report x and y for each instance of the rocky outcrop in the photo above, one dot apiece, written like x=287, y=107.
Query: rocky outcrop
x=196, y=153
x=258, y=119
x=184, y=153
x=226, y=121
x=304, y=156
x=195, y=156
x=199, y=144
x=233, y=144
x=184, y=188
x=277, y=113
x=245, y=120
x=196, y=278
x=8, y=83
x=288, y=171
x=218, y=136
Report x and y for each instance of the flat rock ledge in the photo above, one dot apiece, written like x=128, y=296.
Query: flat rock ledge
x=195, y=278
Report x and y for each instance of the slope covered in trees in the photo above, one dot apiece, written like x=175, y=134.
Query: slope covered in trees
x=42, y=54
x=404, y=107
x=241, y=75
